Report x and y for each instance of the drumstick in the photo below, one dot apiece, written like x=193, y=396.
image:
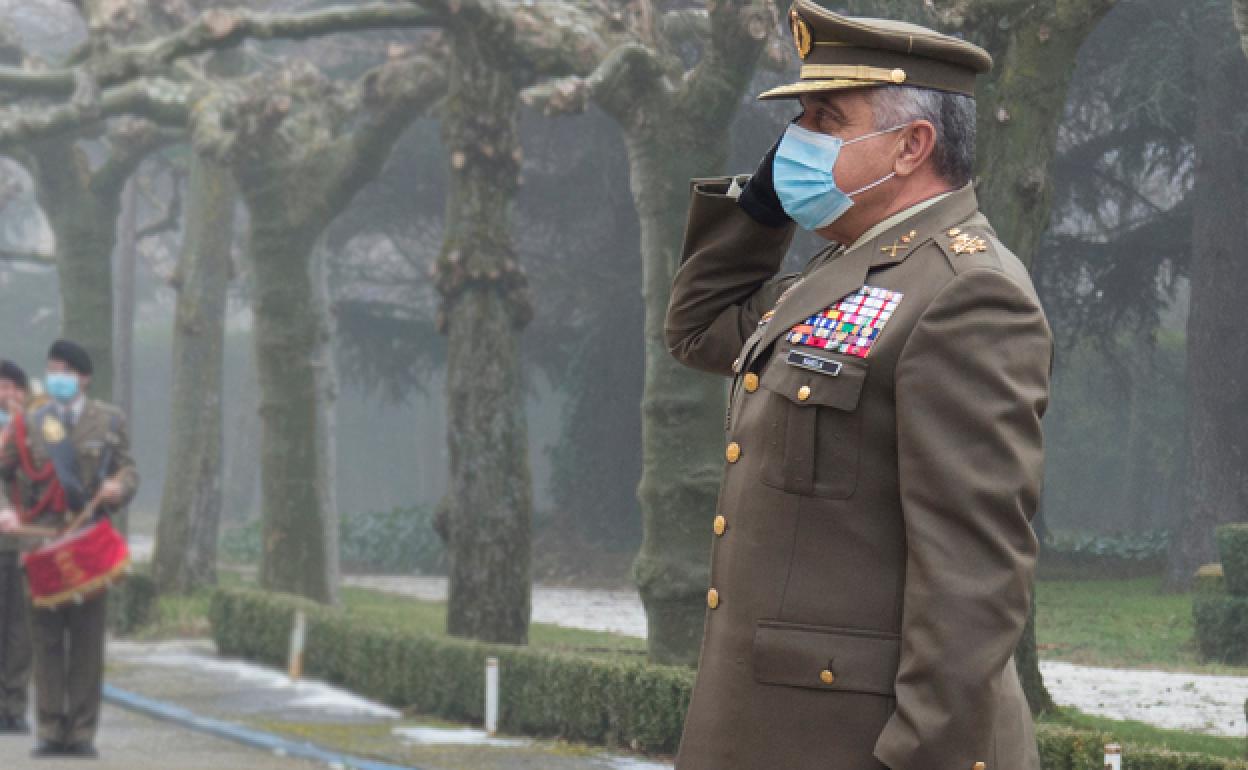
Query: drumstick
x=79, y=520
x=87, y=513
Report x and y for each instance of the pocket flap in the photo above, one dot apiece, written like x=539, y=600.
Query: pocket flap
x=799, y=655
x=806, y=387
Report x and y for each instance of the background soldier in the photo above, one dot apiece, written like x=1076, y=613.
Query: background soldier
x=15, y=651
x=872, y=555
x=69, y=640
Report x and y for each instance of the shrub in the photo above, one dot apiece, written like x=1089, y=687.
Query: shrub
x=1233, y=548
x=399, y=541
x=543, y=694
x=1222, y=627
x=1083, y=556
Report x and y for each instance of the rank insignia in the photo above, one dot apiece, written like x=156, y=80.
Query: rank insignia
x=965, y=243
x=53, y=431
x=851, y=326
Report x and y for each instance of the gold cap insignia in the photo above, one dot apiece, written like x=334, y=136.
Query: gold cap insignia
x=801, y=34
x=53, y=431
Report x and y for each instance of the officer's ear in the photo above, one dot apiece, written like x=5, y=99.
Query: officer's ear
x=918, y=141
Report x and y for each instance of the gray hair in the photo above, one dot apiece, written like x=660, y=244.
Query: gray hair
x=952, y=114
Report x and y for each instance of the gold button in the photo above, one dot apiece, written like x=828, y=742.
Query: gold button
x=712, y=598
x=733, y=452
x=827, y=677
x=751, y=382
x=954, y=232
x=980, y=766
x=803, y=393
x=720, y=525
x=898, y=76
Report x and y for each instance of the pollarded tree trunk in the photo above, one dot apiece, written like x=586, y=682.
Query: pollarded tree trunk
x=1217, y=343
x=185, y=557
x=682, y=410
x=486, y=515
x=83, y=218
x=673, y=136
x=292, y=363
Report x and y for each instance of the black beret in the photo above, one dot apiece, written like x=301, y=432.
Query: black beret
x=14, y=374
x=72, y=354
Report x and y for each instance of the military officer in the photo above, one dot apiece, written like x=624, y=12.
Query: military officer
x=872, y=554
x=69, y=641
x=14, y=632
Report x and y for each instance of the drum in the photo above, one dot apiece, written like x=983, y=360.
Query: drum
x=77, y=566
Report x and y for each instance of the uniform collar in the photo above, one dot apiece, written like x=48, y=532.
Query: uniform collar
x=901, y=216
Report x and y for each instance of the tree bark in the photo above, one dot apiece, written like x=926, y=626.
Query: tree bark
x=673, y=136
x=486, y=515
x=1240, y=8
x=84, y=220
x=1217, y=345
x=185, y=556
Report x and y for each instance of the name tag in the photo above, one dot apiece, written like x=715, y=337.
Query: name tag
x=814, y=363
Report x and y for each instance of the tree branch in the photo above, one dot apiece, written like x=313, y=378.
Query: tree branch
x=36, y=258
x=627, y=75
x=215, y=30
x=160, y=101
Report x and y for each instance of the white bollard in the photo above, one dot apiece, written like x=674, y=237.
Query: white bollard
x=1113, y=756
x=298, y=635
x=491, y=696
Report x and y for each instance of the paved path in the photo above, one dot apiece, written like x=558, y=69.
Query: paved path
x=1209, y=704
x=132, y=742
x=187, y=674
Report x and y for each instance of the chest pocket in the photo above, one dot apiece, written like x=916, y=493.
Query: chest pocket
x=813, y=428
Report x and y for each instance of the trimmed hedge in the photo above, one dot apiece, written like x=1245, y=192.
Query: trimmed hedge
x=1210, y=580
x=568, y=696
x=1222, y=627
x=132, y=603
x=1233, y=548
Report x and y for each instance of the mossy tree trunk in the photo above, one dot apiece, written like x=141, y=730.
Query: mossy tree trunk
x=1217, y=344
x=487, y=513
x=300, y=147
x=185, y=556
x=673, y=135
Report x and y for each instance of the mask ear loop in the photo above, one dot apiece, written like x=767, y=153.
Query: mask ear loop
x=881, y=180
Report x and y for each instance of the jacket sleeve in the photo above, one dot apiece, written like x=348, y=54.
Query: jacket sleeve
x=726, y=280
x=124, y=469
x=972, y=385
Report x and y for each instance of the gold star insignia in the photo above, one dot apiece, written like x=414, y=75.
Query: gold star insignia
x=965, y=243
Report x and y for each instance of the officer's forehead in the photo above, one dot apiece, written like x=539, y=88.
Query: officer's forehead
x=843, y=101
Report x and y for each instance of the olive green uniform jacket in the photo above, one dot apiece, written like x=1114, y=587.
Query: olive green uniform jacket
x=872, y=554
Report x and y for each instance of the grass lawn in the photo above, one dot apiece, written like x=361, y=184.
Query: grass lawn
x=1104, y=623
x=1142, y=734
x=1120, y=624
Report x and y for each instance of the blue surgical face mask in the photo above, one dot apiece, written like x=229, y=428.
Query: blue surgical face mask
x=803, y=173
x=62, y=386
x=5, y=418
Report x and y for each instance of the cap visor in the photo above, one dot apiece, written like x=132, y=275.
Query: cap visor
x=815, y=86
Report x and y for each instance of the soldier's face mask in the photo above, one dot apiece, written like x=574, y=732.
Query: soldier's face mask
x=804, y=179
x=62, y=386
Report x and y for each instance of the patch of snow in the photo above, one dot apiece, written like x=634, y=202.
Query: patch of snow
x=616, y=611
x=304, y=694
x=633, y=763
x=1196, y=702
x=456, y=736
